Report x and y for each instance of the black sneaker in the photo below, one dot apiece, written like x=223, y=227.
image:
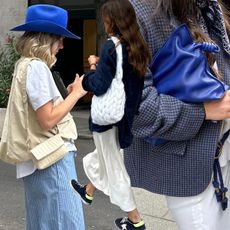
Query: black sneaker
x=126, y=224
x=86, y=199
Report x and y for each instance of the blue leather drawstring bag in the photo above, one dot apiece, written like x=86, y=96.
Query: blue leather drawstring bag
x=181, y=69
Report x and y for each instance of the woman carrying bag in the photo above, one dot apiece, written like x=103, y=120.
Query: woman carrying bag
x=182, y=168
x=39, y=132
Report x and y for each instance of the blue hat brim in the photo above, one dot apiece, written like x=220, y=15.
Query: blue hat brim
x=46, y=27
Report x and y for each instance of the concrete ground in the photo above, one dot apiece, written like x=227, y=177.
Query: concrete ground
x=101, y=214
x=153, y=207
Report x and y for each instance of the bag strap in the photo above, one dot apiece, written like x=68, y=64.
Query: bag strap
x=118, y=46
x=25, y=99
x=218, y=183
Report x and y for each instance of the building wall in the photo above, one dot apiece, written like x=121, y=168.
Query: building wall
x=12, y=13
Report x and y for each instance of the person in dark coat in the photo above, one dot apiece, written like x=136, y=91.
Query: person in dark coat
x=105, y=167
x=182, y=167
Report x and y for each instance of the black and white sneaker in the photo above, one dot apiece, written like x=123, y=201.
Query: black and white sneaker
x=126, y=224
x=81, y=190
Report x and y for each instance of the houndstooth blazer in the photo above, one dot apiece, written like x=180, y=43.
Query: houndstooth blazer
x=182, y=166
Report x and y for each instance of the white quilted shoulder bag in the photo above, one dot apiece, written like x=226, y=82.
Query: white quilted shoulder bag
x=109, y=108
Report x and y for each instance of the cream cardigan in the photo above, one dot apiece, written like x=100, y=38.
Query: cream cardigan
x=21, y=130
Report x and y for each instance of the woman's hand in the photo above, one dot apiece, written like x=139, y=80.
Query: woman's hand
x=76, y=87
x=93, y=60
x=218, y=109
x=49, y=115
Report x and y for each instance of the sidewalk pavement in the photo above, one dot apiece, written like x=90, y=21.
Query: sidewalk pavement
x=153, y=207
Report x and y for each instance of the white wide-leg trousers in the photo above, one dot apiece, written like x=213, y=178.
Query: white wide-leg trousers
x=202, y=212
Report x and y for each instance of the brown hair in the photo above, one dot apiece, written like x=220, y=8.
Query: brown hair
x=36, y=44
x=124, y=24
x=185, y=11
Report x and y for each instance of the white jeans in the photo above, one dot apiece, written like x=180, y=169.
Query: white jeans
x=202, y=212
x=106, y=170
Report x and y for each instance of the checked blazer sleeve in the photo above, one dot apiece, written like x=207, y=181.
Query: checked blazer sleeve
x=162, y=116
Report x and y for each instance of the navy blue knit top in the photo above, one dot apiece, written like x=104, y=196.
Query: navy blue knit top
x=99, y=81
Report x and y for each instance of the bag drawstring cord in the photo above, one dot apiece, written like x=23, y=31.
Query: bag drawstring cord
x=218, y=183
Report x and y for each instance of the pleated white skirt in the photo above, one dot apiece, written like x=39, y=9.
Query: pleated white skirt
x=106, y=170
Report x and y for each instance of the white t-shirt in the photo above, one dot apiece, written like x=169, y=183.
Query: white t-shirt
x=40, y=88
x=40, y=85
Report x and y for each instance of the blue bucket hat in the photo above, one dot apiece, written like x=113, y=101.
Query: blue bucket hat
x=46, y=18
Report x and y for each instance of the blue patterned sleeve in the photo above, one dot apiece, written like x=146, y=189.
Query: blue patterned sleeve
x=162, y=116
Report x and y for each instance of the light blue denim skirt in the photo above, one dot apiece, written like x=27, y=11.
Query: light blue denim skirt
x=51, y=204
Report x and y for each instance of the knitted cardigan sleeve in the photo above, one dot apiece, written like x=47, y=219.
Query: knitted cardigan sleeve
x=99, y=81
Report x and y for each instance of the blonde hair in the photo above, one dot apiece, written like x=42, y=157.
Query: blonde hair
x=37, y=44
